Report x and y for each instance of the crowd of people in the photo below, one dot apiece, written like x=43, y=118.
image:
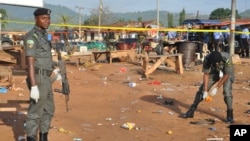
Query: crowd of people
x=217, y=40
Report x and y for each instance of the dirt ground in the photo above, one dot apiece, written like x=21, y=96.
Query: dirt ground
x=101, y=102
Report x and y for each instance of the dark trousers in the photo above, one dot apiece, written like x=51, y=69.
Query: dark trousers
x=200, y=49
x=217, y=45
x=245, y=47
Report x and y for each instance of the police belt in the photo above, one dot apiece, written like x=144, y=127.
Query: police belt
x=43, y=72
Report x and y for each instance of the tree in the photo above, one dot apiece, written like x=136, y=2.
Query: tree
x=222, y=13
x=170, y=20
x=4, y=17
x=182, y=16
x=106, y=17
x=65, y=20
x=139, y=19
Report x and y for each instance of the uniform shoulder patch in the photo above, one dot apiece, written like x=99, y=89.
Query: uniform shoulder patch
x=30, y=43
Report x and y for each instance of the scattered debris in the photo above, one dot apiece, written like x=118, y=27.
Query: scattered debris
x=169, y=132
x=128, y=125
x=214, y=139
x=169, y=102
x=77, y=139
x=204, y=122
x=20, y=138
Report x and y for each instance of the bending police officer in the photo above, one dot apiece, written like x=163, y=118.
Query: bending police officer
x=217, y=67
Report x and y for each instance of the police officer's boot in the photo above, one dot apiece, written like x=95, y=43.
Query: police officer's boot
x=190, y=112
x=43, y=136
x=197, y=100
x=230, y=118
x=31, y=139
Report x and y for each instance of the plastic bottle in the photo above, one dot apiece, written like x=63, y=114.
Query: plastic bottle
x=132, y=84
x=77, y=139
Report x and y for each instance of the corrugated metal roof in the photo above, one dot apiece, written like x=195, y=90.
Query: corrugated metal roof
x=200, y=21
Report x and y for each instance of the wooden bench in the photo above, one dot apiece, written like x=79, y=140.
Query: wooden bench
x=168, y=58
x=98, y=54
x=77, y=57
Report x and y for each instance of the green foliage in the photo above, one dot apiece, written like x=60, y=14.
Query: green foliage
x=245, y=14
x=222, y=13
x=139, y=19
x=170, y=20
x=4, y=17
x=182, y=16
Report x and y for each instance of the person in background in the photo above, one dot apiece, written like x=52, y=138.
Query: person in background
x=217, y=67
x=218, y=37
x=171, y=35
x=200, y=43
x=210, y=40
x=226, y=39
x=245, y=42
x=38, y=47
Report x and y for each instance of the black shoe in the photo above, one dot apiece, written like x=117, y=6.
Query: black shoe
x=230, y=118
x=31, y=139
x=190, y=112
x=188, y=115
x=43, y=136
x=230, y=121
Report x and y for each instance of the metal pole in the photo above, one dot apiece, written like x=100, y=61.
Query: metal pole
x=1, y=48
x=80, y=21
x=99, y=21
x=232, y=29
x=158, y=26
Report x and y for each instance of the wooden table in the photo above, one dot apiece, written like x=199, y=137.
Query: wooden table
x=110, y=55
x=98, y=54
x=77, y=56
x=177, y=63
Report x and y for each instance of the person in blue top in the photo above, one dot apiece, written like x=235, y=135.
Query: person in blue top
x=217, y=39
x=245, y=42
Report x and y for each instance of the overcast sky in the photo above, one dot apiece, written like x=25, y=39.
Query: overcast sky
x=191, y=6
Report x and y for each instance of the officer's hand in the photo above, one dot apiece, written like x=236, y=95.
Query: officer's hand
x=205, y=94
x=34, y=93
x=214, y=91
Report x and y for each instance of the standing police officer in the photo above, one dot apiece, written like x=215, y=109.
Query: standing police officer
x=217, y=67
x=245, y=42
x=217, y=40
x=40, y=66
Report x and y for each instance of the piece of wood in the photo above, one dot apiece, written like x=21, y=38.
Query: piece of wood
x=156, y=65
x=117, y=54
x=8, y=109
x=176, y=63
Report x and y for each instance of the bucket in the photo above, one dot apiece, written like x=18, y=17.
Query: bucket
x=123, y=46
x=188, y=50
x=83, y=49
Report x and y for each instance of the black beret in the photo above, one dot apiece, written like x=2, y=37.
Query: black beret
x=42, y=11
x=215, y=57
